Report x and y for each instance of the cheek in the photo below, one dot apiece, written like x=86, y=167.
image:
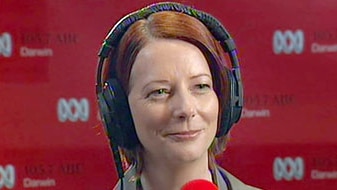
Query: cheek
x=211, y=108
x=147, y=119
x=211, y=113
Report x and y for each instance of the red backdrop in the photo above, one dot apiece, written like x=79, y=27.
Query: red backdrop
x=50, y=135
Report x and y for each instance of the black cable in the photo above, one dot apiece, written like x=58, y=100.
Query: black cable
x=118, y=164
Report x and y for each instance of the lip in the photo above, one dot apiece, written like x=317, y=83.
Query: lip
x=184, y=135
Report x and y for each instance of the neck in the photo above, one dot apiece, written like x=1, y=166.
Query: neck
x=172, y=176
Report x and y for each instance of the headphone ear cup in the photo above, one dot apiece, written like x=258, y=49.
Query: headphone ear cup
x=227, y=109
x=116, y=115
x=232, y=109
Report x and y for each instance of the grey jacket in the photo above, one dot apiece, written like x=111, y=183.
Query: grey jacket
x=130, y=181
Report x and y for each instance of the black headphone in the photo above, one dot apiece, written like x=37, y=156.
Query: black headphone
x=113, y=101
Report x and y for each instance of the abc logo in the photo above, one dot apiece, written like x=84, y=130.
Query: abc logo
x=7, y=176
x=288, y=168
x=288, y=42
x=73, y=110
x=6, y=45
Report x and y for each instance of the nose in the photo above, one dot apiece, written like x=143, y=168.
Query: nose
x=183, y=105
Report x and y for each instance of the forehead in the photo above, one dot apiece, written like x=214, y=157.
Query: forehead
x=162, y=57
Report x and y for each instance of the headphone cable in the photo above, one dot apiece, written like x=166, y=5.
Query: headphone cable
x=118, y=163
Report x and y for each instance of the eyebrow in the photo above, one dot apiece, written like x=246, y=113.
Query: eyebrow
x=201, y=75
x=166, y=81
x=161, y=81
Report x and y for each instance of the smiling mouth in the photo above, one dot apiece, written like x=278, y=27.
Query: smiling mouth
x=184, y=135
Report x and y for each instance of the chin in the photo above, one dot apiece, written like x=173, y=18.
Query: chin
x=188, y=154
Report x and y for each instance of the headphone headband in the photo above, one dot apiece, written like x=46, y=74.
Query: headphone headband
x=213, y=25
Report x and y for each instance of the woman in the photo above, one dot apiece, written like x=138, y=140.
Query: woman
x=165, y=96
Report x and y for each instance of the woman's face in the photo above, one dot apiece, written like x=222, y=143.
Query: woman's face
x=172, y=101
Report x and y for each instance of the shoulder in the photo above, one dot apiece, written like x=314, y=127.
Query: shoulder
x=129, y=180
x=236, y=183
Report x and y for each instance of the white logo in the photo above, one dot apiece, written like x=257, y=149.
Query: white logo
x=288, y=42
x=73, y=110
x=6, y=45
x=7, y=176
x=288, y=168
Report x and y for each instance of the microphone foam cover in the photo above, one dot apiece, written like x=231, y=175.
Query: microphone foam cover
x=199, y=184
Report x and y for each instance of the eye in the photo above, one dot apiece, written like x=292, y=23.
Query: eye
x=202, y=88
x=158, y=93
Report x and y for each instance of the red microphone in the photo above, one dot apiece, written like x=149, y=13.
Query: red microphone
x=199, y=184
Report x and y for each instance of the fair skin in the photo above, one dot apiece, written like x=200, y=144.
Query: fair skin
x=175, y=111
